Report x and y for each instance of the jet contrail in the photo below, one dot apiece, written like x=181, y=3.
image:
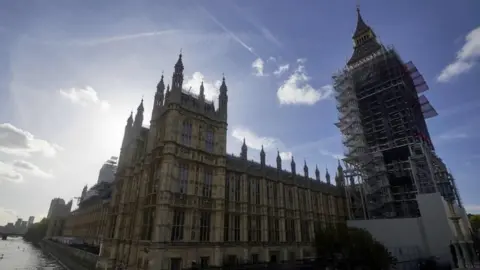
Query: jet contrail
x=230, y=33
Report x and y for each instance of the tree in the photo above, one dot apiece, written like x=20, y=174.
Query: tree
x=36, y=232
x=474, y=222
x=349, y=248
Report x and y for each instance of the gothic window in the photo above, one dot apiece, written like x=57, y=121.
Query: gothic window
x=209, y=140
x=290, y=229
x=182, y=178
x=177, y=226
x=187, y=132
x=207, y=184
x=236, y=228
x=205, y=219
x=304, y=230
x=148, y=223
x=236, y=188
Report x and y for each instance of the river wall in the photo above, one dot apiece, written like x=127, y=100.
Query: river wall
x=71, y=258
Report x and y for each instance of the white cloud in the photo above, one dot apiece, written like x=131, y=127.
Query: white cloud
x=27, y=167
x=258, y=67
x=453, y=136
x=256, y=142
x=270, y=37
x=20, y=142
x=8, y=173
x=472, y=208
x=14, y=171
x=286, y=155
x=331, y=154
x=281, y=69
x=297, y=90
x=84, y=96
x=467, y=57
x=105, y=40
x=211, y=87
x=7, y=215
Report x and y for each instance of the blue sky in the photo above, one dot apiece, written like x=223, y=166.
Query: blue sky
x=72, y=70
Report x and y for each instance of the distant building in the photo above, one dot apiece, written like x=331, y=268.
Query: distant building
x=59, y=208
x=87, y=223
x=56, y=214
x=30, y=220
x=107, y=172
x=18, y=223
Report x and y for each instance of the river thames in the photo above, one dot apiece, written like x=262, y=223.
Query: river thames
x=15, y=254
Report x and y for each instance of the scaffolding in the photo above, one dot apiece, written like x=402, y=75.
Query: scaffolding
x=389, y=157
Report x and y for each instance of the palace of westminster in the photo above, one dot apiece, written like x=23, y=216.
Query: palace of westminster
x=181, y=197
x=175, y=197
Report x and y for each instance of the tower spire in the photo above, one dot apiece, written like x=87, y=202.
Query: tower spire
x=364, y=39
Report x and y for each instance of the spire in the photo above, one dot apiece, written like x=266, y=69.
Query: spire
x=279, y=160
x=262, y=157
x=293, y=167
x=317, y=173
x=177, y=79
x=243, y=154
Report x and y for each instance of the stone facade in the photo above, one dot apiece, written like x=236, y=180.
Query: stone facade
x=179, y=198
x=87, y=222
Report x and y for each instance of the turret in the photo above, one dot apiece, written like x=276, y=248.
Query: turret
x=202, y=92
x=137, y=124
x=243, y=154
x=317, y=173
x=159, y=99
x=293, y=167
x=223, y=101
x=177, y=78
x=128, y=129
x=279, y=161
x=262, y=157
x=305, y=169
x=327, y=177
x=84, y=193
x=339, y=177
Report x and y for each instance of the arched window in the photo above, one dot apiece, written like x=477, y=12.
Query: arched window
x=182, y=178
x=187, y=132
x=209, y=140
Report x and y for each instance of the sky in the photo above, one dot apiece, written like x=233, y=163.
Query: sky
x=71, y=72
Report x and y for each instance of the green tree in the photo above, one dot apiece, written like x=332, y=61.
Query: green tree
x=349, y=248
x=475, y=222
x=36, y=232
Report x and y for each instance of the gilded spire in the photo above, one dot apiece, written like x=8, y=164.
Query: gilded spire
x=362, y=27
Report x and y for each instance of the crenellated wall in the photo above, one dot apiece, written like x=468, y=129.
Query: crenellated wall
x=72, y=258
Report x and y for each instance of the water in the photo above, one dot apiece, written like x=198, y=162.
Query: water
x=20, y=255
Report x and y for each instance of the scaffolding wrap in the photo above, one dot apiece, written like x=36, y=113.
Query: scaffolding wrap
x=389, y=157
x=427, y=108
